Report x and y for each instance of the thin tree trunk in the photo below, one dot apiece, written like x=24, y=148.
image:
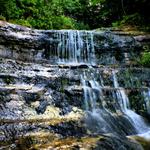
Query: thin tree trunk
x=122, y=4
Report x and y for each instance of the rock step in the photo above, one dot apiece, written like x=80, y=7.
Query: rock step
x=50, y=121
x=80, y=88
x=73, y=90
x=35, y=89
x=30, y=88
x=6, y=64
x=16, y=42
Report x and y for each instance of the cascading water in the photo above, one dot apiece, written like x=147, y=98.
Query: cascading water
x=135, y=119
x=100, y=111
x=92, y=91
x=42, y=97
x=92, y=94
x=75, y=47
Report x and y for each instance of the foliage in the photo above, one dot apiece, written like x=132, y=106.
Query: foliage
x=145, y=59
x=75, y=14
x=133, y=19
x=35, y=13
x=2, y=18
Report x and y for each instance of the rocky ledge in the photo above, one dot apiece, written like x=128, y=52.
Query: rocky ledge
x=41, y=108
x=42, y=104
x=24, y=43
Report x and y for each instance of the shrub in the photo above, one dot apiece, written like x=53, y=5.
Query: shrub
x=22, y=22
x=134, y=19
x=2, y=18
x=145, y=59
x=63, y=22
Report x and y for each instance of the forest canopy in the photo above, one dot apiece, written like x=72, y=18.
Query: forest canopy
x=76, y=14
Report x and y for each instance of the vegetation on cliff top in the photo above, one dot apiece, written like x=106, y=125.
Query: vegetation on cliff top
x=76, y=14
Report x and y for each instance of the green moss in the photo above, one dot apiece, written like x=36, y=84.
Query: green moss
x=144, y=58
x=64, y=82
x=137, y=101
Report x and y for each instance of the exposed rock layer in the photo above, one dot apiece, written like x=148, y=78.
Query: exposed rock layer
x=41, y=102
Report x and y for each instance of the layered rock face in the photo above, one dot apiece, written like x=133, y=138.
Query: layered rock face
x=71, y=89
x=24, y=43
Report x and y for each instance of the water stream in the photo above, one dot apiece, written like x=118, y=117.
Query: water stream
x=75, y=47
x=71, y=89
x=134, y=118
x=78, y=47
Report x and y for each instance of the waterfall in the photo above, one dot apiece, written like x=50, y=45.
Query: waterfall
x=92, y=91
x=99, y=109
x=92, y=94
x=75, y=47
x=136, y=120
x=121, y=95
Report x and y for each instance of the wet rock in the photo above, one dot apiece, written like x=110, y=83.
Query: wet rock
x=106, y=123
x=73, y=66
x=73, y=90
x=74, y=95
x=143, y=140
x=41, y=95
x=42, y=106
x=17, y=41
x=143, y=38
x=69, y=129
x=109, y=41
x=31, y=97
x=115, y=143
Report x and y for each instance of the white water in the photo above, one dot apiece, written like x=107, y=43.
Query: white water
x=135, y=119
x=75, y=47
x=92, y=91
x=93, y=96
x=121, y=95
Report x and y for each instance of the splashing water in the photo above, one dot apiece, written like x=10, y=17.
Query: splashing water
x=100, y=113
x=135, y=119
x=77, y=47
